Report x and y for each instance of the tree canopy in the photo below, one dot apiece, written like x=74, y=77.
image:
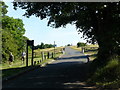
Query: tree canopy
x=81, y=44
x=98, y=21
x=3, y=8
x=43, y=46
x=12, y=35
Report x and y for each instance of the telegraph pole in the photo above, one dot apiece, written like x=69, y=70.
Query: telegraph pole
x=54, y=49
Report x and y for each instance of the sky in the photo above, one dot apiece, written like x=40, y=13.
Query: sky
x=38, y=30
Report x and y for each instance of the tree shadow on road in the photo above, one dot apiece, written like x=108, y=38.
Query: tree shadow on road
x=67, y=75
x=64, y=75
x=73, y=57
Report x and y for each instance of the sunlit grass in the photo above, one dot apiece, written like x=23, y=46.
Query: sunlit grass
x=93, y=45
x=89, y=51
x=17, y=65
x=76, y=48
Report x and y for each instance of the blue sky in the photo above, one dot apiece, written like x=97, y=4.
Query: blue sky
x=38, y=30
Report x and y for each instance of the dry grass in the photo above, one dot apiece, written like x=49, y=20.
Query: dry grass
x=93, y=45
x=75, y=47
x=92, y=54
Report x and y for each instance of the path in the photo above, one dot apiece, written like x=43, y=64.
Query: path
x=69, y=71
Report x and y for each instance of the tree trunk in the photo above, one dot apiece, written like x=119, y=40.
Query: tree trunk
x=104, y=23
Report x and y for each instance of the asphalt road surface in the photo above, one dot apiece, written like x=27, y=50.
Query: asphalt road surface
x=69, y=71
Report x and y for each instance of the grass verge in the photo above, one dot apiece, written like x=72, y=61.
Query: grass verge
x=17, y=66
x=108, y=76
x=105, y=77
x=91, y=52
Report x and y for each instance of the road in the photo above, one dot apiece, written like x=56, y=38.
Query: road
x=69, y=71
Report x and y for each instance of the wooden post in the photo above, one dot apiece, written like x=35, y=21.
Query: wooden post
x=29, y=43
x=34, y=62
x=54, y=49
x=48, y=55
x=32, y=52
x=44, y=57
x=38, y=62
x=27, y=54
x=42, y=53
x=52, y=55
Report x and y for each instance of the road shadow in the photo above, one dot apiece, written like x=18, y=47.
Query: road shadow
x=63, y=73
x=10, y=73
x=73, y=57
x=91, y=50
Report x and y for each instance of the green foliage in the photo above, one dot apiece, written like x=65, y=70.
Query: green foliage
x=80, y=44
x=68, y=45
x=8, y=44
x=3, y=8
x=12, y=35
x=43, y=46
x=108, y=76
x=97, y=21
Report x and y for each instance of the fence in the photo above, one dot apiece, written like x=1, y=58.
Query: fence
x=44, y=55
x=85, y=49
x=88, y=50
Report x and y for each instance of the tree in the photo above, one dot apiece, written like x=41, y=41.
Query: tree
x=3, y=8
x=12, y=35
x=80, y=44
x=8, y=45
x=68, y=45
x=15, y=29
x=43, y=46
x=99, y=22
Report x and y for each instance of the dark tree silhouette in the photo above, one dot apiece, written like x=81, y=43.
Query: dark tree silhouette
x=98, y=21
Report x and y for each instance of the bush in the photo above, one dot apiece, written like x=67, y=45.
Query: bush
x=80, y=44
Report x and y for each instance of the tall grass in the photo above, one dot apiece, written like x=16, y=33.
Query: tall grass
x=108, y=76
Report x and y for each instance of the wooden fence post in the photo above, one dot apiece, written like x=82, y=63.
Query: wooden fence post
x=52, y=55
x=32, y=52
x=27, y=54
x=45, y=57
x=42, y=53
x=34, y=62
x=48, y=55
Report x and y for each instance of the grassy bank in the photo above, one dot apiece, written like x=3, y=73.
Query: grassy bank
x=107, y=76
x=91, y=52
